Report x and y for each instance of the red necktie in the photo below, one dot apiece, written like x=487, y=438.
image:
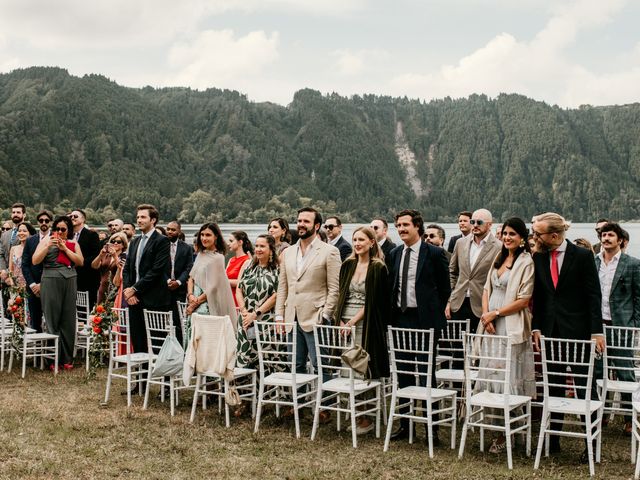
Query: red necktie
x=554, y=268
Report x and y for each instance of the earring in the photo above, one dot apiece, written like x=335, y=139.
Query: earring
x=522, y=243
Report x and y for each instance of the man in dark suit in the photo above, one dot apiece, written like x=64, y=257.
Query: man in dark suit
x=333, y=226
x=435, y=235
x=181, y=257
x=619, y=276
x=566, y=295
x=88, y=279
x=381, y=229
x=420, y=289
x=33, y=273
x=464, y=219
x=145, y=274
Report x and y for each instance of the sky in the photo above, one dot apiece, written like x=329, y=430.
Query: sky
x=565, y=52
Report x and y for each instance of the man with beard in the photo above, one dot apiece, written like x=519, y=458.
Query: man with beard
x=566, y=298
x=465, y=229
x=8, y=239
x=33, y=273
x=308, y=288
x=181, y=257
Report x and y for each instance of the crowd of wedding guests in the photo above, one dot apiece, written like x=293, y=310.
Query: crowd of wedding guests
x=515, y=282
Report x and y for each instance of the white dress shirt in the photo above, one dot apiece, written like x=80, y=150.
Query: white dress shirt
x=411, y=279
x=606, y=274
x=301, y=259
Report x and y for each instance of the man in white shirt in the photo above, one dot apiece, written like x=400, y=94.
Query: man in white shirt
x=619, y=276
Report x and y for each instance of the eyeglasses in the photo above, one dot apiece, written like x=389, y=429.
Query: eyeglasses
x=111, y=225
x=477, y=222
x=539, y=234
x=74, y=216
x=44, y=220
x=6, y=229
x=330, y=227
x=375, y=227
x=430, y=235
x=116, y=241
x=60, y=229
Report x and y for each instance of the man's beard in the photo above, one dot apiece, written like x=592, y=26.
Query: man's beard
x=306, y=234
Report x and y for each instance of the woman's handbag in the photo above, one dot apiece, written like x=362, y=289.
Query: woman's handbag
x=231, y=395
x=170, y=358
x=357, y=358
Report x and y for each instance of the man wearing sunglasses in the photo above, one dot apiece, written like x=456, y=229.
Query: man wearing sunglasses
x=33, y=273
x=88, y=279
x=333, y=227
x=470, y=263
x=434, y=235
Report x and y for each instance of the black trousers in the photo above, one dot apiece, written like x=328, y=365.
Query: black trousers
x=465, y=312
x=409, y=319
x=175, y=298
x=137, y=328
x=35, y=311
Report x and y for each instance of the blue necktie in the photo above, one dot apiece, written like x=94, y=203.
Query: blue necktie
x=143, y=243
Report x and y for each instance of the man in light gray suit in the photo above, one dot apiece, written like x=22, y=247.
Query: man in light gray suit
x=470, y=263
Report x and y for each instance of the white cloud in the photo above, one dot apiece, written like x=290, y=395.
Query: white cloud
x=537, y=68
x=355, y=62
x=218, y=58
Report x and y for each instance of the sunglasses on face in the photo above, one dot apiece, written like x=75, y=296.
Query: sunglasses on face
x=44, y=220
x=330, y=227
x=116, y=241
x=375, y=227
x=60, y=229
x=110, y=225
x=477, y=222
x=74, y=216
x=6, y=229
x=430, y=235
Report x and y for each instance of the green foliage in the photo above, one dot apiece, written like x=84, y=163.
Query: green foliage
x=213, y=155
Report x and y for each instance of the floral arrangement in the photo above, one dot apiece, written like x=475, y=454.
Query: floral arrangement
x=101, y=320
x=17, y=301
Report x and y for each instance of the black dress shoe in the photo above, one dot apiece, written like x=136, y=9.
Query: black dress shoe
x=402, y=434
x=554, y=445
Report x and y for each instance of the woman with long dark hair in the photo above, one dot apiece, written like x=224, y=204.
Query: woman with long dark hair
x=279, y=230
x=364, y=302
x=208, y=289
x=505, y=307
x=240, y=245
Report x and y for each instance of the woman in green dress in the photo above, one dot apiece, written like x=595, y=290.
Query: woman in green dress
x=256, y=297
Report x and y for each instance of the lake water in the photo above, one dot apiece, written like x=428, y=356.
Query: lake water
x=577, y=230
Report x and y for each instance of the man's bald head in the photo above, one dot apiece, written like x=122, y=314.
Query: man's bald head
x=481, y=222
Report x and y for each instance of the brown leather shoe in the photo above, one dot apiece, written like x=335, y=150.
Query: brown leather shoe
x=324, y=417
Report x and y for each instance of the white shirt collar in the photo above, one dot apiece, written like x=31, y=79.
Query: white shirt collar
x=335, y=240
x=615, y=258
x=415, y=247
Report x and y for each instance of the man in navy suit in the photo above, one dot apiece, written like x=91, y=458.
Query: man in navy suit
x=420, y=289
x=145, y=274
x=181, y=257
x=33, y=273
x=333, y=226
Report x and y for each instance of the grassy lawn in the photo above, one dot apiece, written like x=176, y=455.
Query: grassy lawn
x=56, y=428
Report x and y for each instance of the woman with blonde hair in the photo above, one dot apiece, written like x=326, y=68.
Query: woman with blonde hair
x=110, y=262
x=364, y=302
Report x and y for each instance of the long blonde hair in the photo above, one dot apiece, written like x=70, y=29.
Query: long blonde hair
x=375, y=253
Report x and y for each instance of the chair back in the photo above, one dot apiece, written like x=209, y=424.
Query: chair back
x=276, y=348
x=559, y=353
x=623, y=348
x=83, y=311
x=120, y=343
x=450, y=343
x=487, y=364
x=411, y=353
x=158, y=326
x=182, y=316
x=331, y=343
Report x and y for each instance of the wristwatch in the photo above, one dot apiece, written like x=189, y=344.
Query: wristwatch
x=497, y=313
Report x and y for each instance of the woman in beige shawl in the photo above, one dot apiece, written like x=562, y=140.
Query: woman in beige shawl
x=208, y=289
x=505, y=307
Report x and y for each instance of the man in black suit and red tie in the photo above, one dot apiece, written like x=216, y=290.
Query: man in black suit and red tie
x=419, y=273
x=567, y=299
x=145, y=274
x=181, y=257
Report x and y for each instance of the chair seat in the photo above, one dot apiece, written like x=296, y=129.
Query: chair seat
x=283, y=379
x=571, y=405
x=453, y=375
x=342, y=385
x=619, y=386
x=9, y=331
x=420, y=393
x=496, y=400
x=84, y=333
x=33, y=337
x=139, y=357
x=237, y=372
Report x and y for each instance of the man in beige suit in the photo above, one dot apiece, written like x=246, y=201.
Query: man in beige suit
x=308, y=285
x=470, y=263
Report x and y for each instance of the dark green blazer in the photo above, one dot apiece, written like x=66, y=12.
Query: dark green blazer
x=624, y=298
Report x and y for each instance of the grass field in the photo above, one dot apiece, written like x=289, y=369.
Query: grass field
x=56, y=428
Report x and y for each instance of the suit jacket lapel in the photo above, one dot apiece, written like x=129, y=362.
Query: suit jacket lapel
x=423, y=253
x=396, y=261
x=569, y=255
x=622, y=266
x=313, y=254
x=483, y=251
x=465, y=261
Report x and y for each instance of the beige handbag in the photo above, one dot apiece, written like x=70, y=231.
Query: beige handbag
x=358, y=359
x=232, y=396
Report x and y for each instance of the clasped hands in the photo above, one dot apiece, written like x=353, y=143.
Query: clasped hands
x=487, y=319
x=248, y=318
x=193, y=303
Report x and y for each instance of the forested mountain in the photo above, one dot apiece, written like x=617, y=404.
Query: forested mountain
x=68, y=141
